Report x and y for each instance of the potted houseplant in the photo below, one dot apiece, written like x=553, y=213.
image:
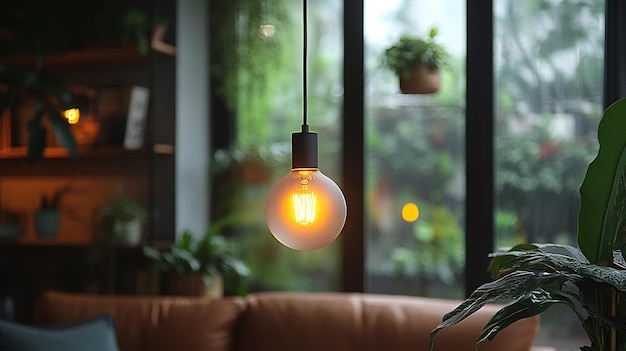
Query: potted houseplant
x=252, y=165
x=204, y=267
x=590, y=278
x=122, y=220
x=48, y=217
x=416, y=61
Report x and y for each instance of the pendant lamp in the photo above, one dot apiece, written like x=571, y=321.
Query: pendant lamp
x=305, y=210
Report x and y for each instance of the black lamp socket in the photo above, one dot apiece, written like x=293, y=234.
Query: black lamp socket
x=304, y=149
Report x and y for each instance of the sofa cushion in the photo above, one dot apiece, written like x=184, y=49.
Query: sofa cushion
x=151, y=323
x=97, y=334
x=367, y=322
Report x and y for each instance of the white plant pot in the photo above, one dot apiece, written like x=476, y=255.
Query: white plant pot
x=128, y=233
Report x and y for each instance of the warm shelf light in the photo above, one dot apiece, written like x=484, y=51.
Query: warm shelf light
x=72, y=115
x=305, y=210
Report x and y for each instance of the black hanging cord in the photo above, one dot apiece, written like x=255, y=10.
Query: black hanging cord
x=304, y=144
x=305, y=122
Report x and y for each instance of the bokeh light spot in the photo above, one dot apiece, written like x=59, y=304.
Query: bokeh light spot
x=410, y=212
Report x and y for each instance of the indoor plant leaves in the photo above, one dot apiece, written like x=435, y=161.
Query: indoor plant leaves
x=62, y=132
x=600, y=228
x=590, y=279
x=36, y=137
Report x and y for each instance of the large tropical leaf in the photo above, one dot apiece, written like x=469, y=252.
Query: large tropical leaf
x=600, y=219
x=570, y=263
x=510, y=286
x=538, y=276
x=521, y=257
x=531, y=304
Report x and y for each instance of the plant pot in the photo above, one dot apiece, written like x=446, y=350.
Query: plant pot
x=128, y=233
x=192, y=284
x=255, y=172
x=47, y=223
x=421, y=81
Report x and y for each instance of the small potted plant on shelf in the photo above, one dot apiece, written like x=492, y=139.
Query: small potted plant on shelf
x=203, y=267
x=417, y=62
x=121, y=220
x=48, y=216
x=589, y=279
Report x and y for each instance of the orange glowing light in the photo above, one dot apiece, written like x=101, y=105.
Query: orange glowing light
x=72, y=115
x=304, y=201
x=305, y=210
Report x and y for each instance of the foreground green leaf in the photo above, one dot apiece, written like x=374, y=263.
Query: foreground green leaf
x=537, y=260
x=590, y=280
x=510, y=286
x=600, y=210
x=532, y=304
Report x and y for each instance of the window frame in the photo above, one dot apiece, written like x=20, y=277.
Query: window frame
x=480, y=112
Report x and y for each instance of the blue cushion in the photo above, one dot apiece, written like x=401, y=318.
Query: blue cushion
x=97, y=334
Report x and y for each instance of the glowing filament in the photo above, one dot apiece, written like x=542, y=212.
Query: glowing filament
x=304, y=205
x=72, y=115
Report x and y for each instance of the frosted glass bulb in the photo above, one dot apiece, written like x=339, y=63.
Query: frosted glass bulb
x=305, y=210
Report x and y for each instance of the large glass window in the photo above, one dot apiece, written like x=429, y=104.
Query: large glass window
x=548, y=70
x=268, y=101
x=414, y=156
x=549, y=87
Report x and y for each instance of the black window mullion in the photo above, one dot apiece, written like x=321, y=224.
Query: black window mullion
x=353, y=248
x=479, y=134
x=614, y=52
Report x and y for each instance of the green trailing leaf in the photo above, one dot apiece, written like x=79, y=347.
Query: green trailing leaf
x=62, y=132
x=600, y=219
x=36, y=137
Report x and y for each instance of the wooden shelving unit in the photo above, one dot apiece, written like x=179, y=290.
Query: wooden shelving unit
x=56, y=162
x=84, y=57
x=68, y=261
x=110, y=65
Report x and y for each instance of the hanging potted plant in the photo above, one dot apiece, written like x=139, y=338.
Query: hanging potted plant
x=417, y=62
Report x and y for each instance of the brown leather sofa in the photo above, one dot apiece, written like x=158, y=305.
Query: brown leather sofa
x=283, y=321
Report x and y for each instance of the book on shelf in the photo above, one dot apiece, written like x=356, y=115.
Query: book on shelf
x=123, y=112
x=136, y=118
